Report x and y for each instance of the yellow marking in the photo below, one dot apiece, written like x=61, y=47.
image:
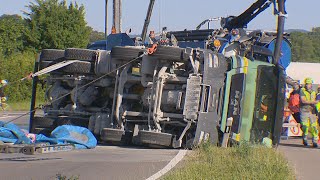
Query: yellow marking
x=135, y=71
x=246, y=64
x=265, y=117
x=236, y=137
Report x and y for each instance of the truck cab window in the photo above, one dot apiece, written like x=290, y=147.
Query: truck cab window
x=265, y=104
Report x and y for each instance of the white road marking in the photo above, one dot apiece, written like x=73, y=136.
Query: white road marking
x=3, y=116
x=170, y=165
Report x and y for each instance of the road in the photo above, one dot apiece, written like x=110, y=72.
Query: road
x=305, y=160
x=22, y=121
x=103, y=162
x=111, y=162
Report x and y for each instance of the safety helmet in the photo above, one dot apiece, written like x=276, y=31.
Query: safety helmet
x=4, y=82
x=308, y=81
x=3, y=99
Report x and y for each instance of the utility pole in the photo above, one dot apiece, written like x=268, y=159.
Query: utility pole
x=117, y=10
x=106, y=22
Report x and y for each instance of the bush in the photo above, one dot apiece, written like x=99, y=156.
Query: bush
x=15, y=67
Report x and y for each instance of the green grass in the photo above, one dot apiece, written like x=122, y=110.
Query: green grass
x=63, y=177
x=20, y=106
x=244, y=162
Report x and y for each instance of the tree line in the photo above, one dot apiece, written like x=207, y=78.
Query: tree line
x=306, y=46
x=54, y=24
x=48, y=24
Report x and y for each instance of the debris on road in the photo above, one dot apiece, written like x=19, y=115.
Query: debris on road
x=63, y=138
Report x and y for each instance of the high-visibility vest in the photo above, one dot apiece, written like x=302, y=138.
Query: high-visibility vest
x=310, y=96
x=294, y=103
x=318, y=104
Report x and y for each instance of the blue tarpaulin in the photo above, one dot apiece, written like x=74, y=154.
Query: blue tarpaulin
x=81, y=137
x=12, y=134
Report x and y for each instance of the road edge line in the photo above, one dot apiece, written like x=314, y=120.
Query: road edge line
x=173, y=162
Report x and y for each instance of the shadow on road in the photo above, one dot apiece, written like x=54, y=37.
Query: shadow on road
x=295, y=142
x=135, y=147
x=294, y=145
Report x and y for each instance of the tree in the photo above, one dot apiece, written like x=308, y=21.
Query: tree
x=53, y=24
x=12, y=28
x=316, y=29
x=13, y=68
x=306, y=46
x=96, y=36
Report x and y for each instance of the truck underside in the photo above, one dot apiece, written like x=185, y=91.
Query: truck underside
x=176, y=92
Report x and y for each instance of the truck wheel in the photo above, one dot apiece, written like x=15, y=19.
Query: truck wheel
x=170, y=53
x=126, y=52
x=43, y=122
x=44, y=64
x=156, y=138
x=81, y=54
x=51, y=54
x=49, y=57
x=79, y=67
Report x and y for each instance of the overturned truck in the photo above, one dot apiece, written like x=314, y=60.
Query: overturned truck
x=186, y=88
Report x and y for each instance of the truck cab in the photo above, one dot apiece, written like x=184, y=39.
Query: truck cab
x=254, y=99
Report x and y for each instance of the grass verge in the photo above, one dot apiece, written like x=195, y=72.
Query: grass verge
x=243, y=162
x=20, y=106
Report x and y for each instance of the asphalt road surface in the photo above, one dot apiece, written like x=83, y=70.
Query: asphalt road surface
x=22, y=122
x=103, y=162
x=111, y=162
x=305, y=160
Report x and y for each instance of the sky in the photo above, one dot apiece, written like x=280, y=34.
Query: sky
x=184, y=14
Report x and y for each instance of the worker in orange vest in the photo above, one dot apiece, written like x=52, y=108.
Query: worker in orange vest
x=294, y=102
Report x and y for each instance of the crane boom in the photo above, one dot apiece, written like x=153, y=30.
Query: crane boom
x=147, y=20
x=243, y=19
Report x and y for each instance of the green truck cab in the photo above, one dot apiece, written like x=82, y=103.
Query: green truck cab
x=254, y=98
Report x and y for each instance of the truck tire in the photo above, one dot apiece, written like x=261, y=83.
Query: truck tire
x=49, y=57
x=43, y=122
x=126, y=53
x=79, y=67
x=81, y=54
x=170, y=53
x=155, y=138
x=51, y=54
x=44, y=64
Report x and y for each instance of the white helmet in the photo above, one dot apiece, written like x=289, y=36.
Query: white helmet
x=4, y=82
